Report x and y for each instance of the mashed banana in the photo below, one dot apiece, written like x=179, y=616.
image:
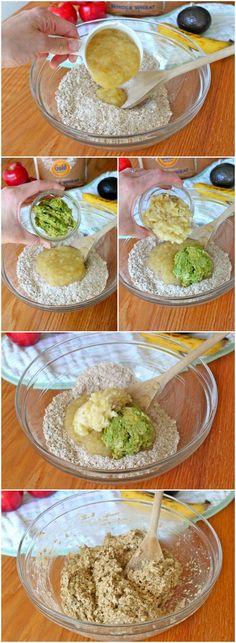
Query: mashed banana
x=169, y=218
x=112, y=58
x=96, y=413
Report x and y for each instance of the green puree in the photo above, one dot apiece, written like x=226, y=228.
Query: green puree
x=129, y=432
x=191, y=265
x=54, y=217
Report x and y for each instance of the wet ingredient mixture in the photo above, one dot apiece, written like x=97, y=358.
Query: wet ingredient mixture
x=169, y=218
x=112, y=58
x=130, y=437
x=94, y=585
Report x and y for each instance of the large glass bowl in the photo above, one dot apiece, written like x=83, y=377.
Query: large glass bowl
x=224, y=238
x=190, y=398
x=187, y=93
x=93, y=217
x=84, y=520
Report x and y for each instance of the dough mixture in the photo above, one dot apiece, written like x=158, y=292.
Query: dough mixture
x=94, y=586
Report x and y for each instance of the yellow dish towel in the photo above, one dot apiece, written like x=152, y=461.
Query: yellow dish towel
x=190, y=342
x=214, y=192
x=208, y=45
x=185, y=511
x=97, y=200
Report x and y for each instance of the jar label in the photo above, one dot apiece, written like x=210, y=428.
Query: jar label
x=166, y=161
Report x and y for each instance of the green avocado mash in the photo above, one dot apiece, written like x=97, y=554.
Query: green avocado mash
x=191, y=265
x=54, y=217
x=129, y=432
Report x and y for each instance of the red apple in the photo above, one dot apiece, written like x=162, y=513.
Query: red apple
x=15, y=174
x=11, y=500
x=41, y=494
x=24, y=339
x=65, y=10
x=123, y=163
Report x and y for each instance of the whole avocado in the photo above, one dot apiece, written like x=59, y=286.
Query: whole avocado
x=194, y=19
x=223, y=175
x=107, y=188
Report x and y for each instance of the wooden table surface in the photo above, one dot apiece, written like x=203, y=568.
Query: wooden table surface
x=214, y=621
x=211, y=466
x=18, y=316
x=137, y=314
x=211, y=133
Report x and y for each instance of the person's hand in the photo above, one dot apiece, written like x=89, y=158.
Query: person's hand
x=12, y=200
x=132, y=183
x=34, y=33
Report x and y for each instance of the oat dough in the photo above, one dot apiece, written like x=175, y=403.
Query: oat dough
x=94, y=586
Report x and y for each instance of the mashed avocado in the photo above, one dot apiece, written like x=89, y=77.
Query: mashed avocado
x=54, y=217
x=191, y=265
x=129, y=432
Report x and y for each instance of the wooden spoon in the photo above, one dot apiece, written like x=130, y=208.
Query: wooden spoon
x=139, y=87
x=203, y=233
x=144, y=392
x=150, y=548
x=85, y=244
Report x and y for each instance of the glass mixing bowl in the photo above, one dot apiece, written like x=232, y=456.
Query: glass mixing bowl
x=187, y=93
x=93, y=218
x=224, y=238
x=190, y=398
x=69, y=524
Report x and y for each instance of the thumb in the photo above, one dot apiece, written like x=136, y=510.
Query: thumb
x=60, y=45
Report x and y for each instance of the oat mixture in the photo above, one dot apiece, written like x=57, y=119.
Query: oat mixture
x=94, y=586
x=79, y=108
x=145, y=279
x=103, y=375
x=38, y=289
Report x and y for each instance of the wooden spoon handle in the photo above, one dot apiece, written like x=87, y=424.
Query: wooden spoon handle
x=199, y=62
x=155, y=515
x=189, y=358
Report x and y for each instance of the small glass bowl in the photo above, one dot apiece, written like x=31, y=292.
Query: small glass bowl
x=70, y=202
x=187, y=93
x=174, y=190
x=93, y=217
x=224, y=238
x=85, y=519
x=190, y=398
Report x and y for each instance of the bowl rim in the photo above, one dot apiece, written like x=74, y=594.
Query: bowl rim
x=181, y=613
x=138, y=472
x=119, y=140
x=107, y=292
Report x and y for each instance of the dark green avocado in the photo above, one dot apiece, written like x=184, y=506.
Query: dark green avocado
x=107, y=188
x=194, y=19
x=223, y=175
